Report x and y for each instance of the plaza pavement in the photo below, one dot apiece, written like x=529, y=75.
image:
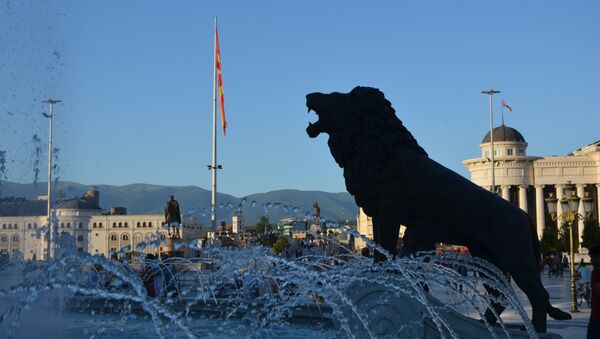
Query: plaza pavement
x=560, y=296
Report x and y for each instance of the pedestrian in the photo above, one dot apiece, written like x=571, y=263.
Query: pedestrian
x=593, y=331
x=148, y=273
x=565, y=262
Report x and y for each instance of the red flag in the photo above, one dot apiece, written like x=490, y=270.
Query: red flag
x=504, y=104
x=220, y=82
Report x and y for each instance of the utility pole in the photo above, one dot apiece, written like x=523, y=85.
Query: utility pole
x=491, y=93
x=51, y=229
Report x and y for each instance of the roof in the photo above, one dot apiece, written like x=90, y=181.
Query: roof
x=504, y=133
x=78, y=204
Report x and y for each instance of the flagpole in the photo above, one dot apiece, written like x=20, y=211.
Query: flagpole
x=213, y=211
x=491, y=93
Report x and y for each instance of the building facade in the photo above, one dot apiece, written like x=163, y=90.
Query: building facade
x=527, y=180
x=82, y=220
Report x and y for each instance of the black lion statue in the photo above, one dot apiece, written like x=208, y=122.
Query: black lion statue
x=395, y=182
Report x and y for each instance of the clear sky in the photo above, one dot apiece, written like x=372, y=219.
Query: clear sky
x=135, y=78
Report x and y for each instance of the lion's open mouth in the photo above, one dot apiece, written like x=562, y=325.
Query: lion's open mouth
x=313, y=129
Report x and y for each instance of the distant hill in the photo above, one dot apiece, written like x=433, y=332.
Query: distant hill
x=146, y=199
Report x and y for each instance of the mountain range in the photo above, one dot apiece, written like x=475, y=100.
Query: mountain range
x=195, y=201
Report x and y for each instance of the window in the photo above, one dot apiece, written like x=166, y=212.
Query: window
x=138, y=224
x=15, y=238
x=94, y=225
x=29, y=226
x=16, y=226
x=120, y=225
x=509, y=151
x=521, y=152
x=113, y=237
x=100, y=225
x=9, y=226
x=35, y=225
x=80, y=225
x=79, y=249
x=126, y=224
x=125, y=237
x=80, y=238
x=3, y=238
x=62, y=225
x=496, y=152
x=150, y=224
x=114, y=225
x=68, y=225
x=144, y=224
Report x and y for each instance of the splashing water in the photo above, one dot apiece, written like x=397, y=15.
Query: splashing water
x=251, y=291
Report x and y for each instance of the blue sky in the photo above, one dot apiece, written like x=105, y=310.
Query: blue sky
x=135, y=78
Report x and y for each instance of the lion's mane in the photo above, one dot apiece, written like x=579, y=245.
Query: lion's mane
x=363, y=147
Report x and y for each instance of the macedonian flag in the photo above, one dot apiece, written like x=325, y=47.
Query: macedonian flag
x=220, y=82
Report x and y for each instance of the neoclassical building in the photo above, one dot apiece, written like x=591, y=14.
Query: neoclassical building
x=527, y=180
x=92, y=230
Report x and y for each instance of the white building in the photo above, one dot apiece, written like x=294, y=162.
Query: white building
x=237, y=222
x=93, y=232
x=528, y=180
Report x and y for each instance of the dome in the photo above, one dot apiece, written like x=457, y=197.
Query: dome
x=504, y=133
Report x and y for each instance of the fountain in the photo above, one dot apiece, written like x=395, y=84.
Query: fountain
x=250, y=291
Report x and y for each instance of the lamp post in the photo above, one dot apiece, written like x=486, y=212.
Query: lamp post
x=52, y=231
x=570, y=206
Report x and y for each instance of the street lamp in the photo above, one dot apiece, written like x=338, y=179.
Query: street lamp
x=570, y=206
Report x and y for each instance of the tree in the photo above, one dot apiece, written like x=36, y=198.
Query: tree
x=263, y=225
x=591, y=233
x=263, y=232
x=280, y=245
x=550, y=243
x=565, y=237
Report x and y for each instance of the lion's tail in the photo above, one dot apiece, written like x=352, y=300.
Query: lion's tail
x=534, y=239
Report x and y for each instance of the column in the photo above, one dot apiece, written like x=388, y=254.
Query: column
x=580, y=194
x=559, y=196
x=523, y=197
x=540, y=215
x=505, y=192
x=598, y=199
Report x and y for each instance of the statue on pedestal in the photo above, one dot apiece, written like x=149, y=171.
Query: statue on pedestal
x=173, y=217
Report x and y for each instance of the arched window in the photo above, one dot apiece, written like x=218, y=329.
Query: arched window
x=15, y=238
x=125, y=237
x=3, y=238
x=62, y=225
x=80, y=237
x=144, y=224
x=126, y=224
x=68, y=225
x=138, y=224
x=80, y=225
x=34, y=225
x=3, y=226
x=29, y=226
x=94, y=225
x=9, y=226
x=114, y=224
x=150, y=224
x=113, y=237
x=120, y=225
x=100, y=225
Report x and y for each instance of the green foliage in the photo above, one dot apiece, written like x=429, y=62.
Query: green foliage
x=564, y=237
x=591, y=233
x=263, y=226
x=280, y=245
x=550, y=243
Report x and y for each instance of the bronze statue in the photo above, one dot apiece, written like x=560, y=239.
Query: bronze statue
x=173, y=217
x=396, y=183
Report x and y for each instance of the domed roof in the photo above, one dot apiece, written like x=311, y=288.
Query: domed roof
x=504, y=133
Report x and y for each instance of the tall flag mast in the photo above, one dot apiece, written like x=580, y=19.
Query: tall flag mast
x=217, y=83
